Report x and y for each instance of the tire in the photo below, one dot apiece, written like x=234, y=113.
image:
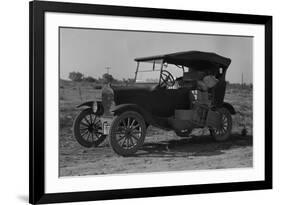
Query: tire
x=223, y=133
x=127, y=133
x=86, y=128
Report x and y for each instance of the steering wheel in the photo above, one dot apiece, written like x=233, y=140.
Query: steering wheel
x=166, y=79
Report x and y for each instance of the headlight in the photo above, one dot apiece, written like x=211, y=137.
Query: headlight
x=95, y=107
x=107, y=96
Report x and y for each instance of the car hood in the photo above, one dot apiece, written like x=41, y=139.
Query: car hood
x=132, y=93
x=135, y=87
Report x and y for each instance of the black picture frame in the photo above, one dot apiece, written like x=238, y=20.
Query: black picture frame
x=37, y=9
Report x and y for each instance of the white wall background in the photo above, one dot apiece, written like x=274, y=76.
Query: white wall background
x=14, y=42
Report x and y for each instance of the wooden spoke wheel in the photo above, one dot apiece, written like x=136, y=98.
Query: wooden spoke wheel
x=87, y=129
x=127, y=133
x=223, y=132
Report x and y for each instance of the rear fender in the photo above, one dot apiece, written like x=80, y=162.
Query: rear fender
x=229, y=107
x=133, y=107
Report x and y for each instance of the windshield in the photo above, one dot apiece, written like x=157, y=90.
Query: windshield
x=148, y=72
x=176, y=71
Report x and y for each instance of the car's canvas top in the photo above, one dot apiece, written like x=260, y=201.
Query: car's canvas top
x=197, y=59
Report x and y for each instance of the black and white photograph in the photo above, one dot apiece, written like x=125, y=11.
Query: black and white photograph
x=144, y=101
x=131, y=102
x=121, y=102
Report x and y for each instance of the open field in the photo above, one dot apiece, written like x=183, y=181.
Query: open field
x=162, y=151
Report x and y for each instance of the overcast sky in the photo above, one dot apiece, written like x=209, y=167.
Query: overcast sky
x=90, y=51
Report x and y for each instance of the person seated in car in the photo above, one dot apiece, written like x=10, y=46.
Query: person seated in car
x=200, y=81
x=203, y=86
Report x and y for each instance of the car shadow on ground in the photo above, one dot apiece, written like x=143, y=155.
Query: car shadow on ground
x=196, y=146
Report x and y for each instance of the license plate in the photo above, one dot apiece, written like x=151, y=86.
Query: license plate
x=106, y=128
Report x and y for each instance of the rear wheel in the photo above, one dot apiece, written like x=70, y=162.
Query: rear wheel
x=87, y=129
x=223, y=132
x=127, y=133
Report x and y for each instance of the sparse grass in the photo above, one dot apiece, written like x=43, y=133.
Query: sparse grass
x=242, y=100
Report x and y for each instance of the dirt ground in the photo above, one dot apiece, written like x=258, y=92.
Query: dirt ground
x=162, y=151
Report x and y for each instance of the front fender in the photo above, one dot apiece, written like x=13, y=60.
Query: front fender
x=87, y=104
x=229, y=107
x=132, y=107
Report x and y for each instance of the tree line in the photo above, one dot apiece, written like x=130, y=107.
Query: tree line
x=106, y=78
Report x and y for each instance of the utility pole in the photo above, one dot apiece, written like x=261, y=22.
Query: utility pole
x=242, y=80
x=107, y=68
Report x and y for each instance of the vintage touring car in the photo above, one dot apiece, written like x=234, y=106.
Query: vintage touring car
x=178, y=91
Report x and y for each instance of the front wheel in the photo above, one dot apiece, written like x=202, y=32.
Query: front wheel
x=223, y=132
x=87, y=129
x=127, y=133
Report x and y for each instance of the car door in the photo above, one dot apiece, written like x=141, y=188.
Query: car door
x=164, y=101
